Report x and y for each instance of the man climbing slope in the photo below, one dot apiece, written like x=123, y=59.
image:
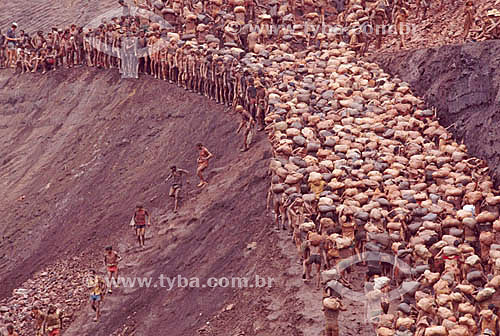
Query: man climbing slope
x=111, y=260
x=176, y=174
x=203, y=158
x=141, y=217
x=97, y=288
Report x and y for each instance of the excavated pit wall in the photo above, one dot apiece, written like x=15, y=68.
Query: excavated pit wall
x=463, y=83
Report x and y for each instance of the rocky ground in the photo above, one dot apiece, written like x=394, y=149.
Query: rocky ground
x=441, y=26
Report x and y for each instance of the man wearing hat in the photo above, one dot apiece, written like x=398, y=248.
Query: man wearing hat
x=11, y=45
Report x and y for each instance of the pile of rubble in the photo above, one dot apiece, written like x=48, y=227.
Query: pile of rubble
x=62, y=284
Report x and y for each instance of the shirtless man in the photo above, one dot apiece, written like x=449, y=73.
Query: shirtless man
x=332, y=314
x=203, y=158
x=251, y=97
x=171, y=53
x=49, y=61
x=295, y=214
x=206, y=74
x=219, y=82
x=153, y=55
x=247, y=124
x=488, y=322
x=37, y=59
x=38, y=40
x=111, y=260
x=142, y=44
x=39, y=318
x=53, y=321
x=250, y=9
x=470, y=13
x=179, y=65
x=400, y=25
x=141, y=219
x=274, y=201
x=190, y=69
x=69, y=46
x=21, y=61
x=200, y=80
x=11, y=331
x=262, y=104
x=97, y=288
x=378, y=18
x=227, y=83
x=176, y=174
x=356, y=42
x=87, y=48
x=79, y=46
x=312, y=255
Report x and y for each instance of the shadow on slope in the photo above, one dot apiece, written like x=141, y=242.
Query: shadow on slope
x=463, y=83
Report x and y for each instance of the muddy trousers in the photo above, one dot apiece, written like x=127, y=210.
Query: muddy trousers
x=332, y=328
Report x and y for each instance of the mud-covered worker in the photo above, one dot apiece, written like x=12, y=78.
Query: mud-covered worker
x=204, y=156
x=141, y=218
x=97, y=288
x=111, y=260
x=176, y=175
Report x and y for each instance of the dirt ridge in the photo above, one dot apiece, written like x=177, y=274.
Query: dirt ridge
x=463, y=83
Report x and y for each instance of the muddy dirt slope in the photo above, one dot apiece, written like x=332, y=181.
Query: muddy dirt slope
x=463, y=83
x=79, y=149
x=43, y=15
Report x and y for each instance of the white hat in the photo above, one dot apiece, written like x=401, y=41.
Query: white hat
x=14, y=24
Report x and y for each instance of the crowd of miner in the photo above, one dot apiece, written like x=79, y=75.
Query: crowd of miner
x=189, y=48
x=361, y=166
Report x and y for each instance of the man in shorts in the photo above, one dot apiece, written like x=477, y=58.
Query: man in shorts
x=141, y=217
x=176, y=174
x=53, y=321
x=11, y=45
x=97, y=289
x=111, y=259
x=11, y=331
x=311, y=249
x=39, y=319
x=203, y=158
